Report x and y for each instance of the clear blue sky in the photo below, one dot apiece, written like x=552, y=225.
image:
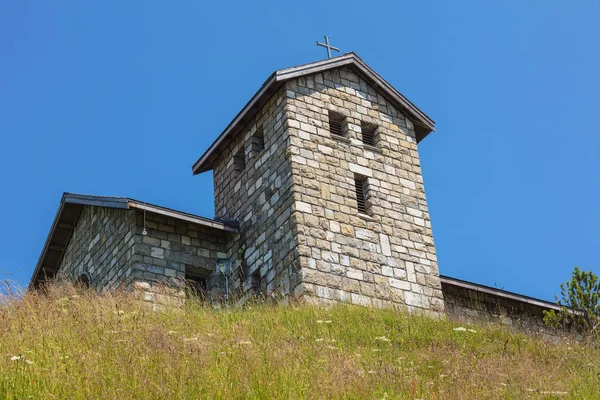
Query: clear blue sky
x=121, y=97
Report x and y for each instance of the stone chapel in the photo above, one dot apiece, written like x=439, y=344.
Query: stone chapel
x=318, y=194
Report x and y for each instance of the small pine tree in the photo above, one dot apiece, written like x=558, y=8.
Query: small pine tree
x=579, y=306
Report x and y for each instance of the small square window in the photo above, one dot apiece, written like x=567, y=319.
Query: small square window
x=361, y=186
x=337, y=123
x=196, y=286
x=369, y=133
x=239, y=163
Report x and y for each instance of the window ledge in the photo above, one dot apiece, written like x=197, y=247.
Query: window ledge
x=372, y=148
x=366, y=217
x=339, y=138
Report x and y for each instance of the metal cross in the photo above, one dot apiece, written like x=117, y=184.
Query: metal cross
x=327, y=46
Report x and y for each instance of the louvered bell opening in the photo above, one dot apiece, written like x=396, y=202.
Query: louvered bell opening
x=368, y=133
x=361, y=200
x=336, y=124
x=368, y=138
x=335, y=128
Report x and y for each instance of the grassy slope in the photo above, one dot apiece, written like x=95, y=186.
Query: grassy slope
x=112, y=347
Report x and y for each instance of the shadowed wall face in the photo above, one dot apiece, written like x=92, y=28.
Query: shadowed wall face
x=101, y=247
x=253, y=185
x=174, y=250
x=108, y=249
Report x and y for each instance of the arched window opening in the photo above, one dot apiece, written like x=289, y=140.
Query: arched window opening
x=83, y=281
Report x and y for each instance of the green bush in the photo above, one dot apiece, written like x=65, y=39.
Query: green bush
x=579, y=305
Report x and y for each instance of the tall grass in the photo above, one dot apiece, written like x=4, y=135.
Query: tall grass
x=67, y=344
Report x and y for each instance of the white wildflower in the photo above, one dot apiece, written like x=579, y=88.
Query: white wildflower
x=324, y=322
x=382, y=339
x=326, y=340
x=460, y=329
x=16, y=358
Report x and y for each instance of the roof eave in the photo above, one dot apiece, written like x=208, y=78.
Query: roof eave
x=203, y=164
x=75, y=200
x=423, y=124
x=498, y=292
x=195, y=219
x=41, y=258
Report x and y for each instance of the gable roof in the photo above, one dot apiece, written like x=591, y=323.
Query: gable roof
x=68, y=214
x=423, y=124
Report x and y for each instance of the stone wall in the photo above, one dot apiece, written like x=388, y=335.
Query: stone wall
x=259, y=196
x=101, y=246
x=386, y=257
x=173, y=248
x=468, y=305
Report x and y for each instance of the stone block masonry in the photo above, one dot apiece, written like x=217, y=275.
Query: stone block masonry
x=101, y=247
x=324, y=180
x=318, y=194
x=464, y=303
x=253, y=185
x=386, y=256
x=108, y=248
x=173, y=251
x=293, y=184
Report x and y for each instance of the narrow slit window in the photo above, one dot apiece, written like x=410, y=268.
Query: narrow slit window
x=360, y=183
x=369, y=133
x=336, y=123
x=257, y=143
x=255, y=282
x=239, y=163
